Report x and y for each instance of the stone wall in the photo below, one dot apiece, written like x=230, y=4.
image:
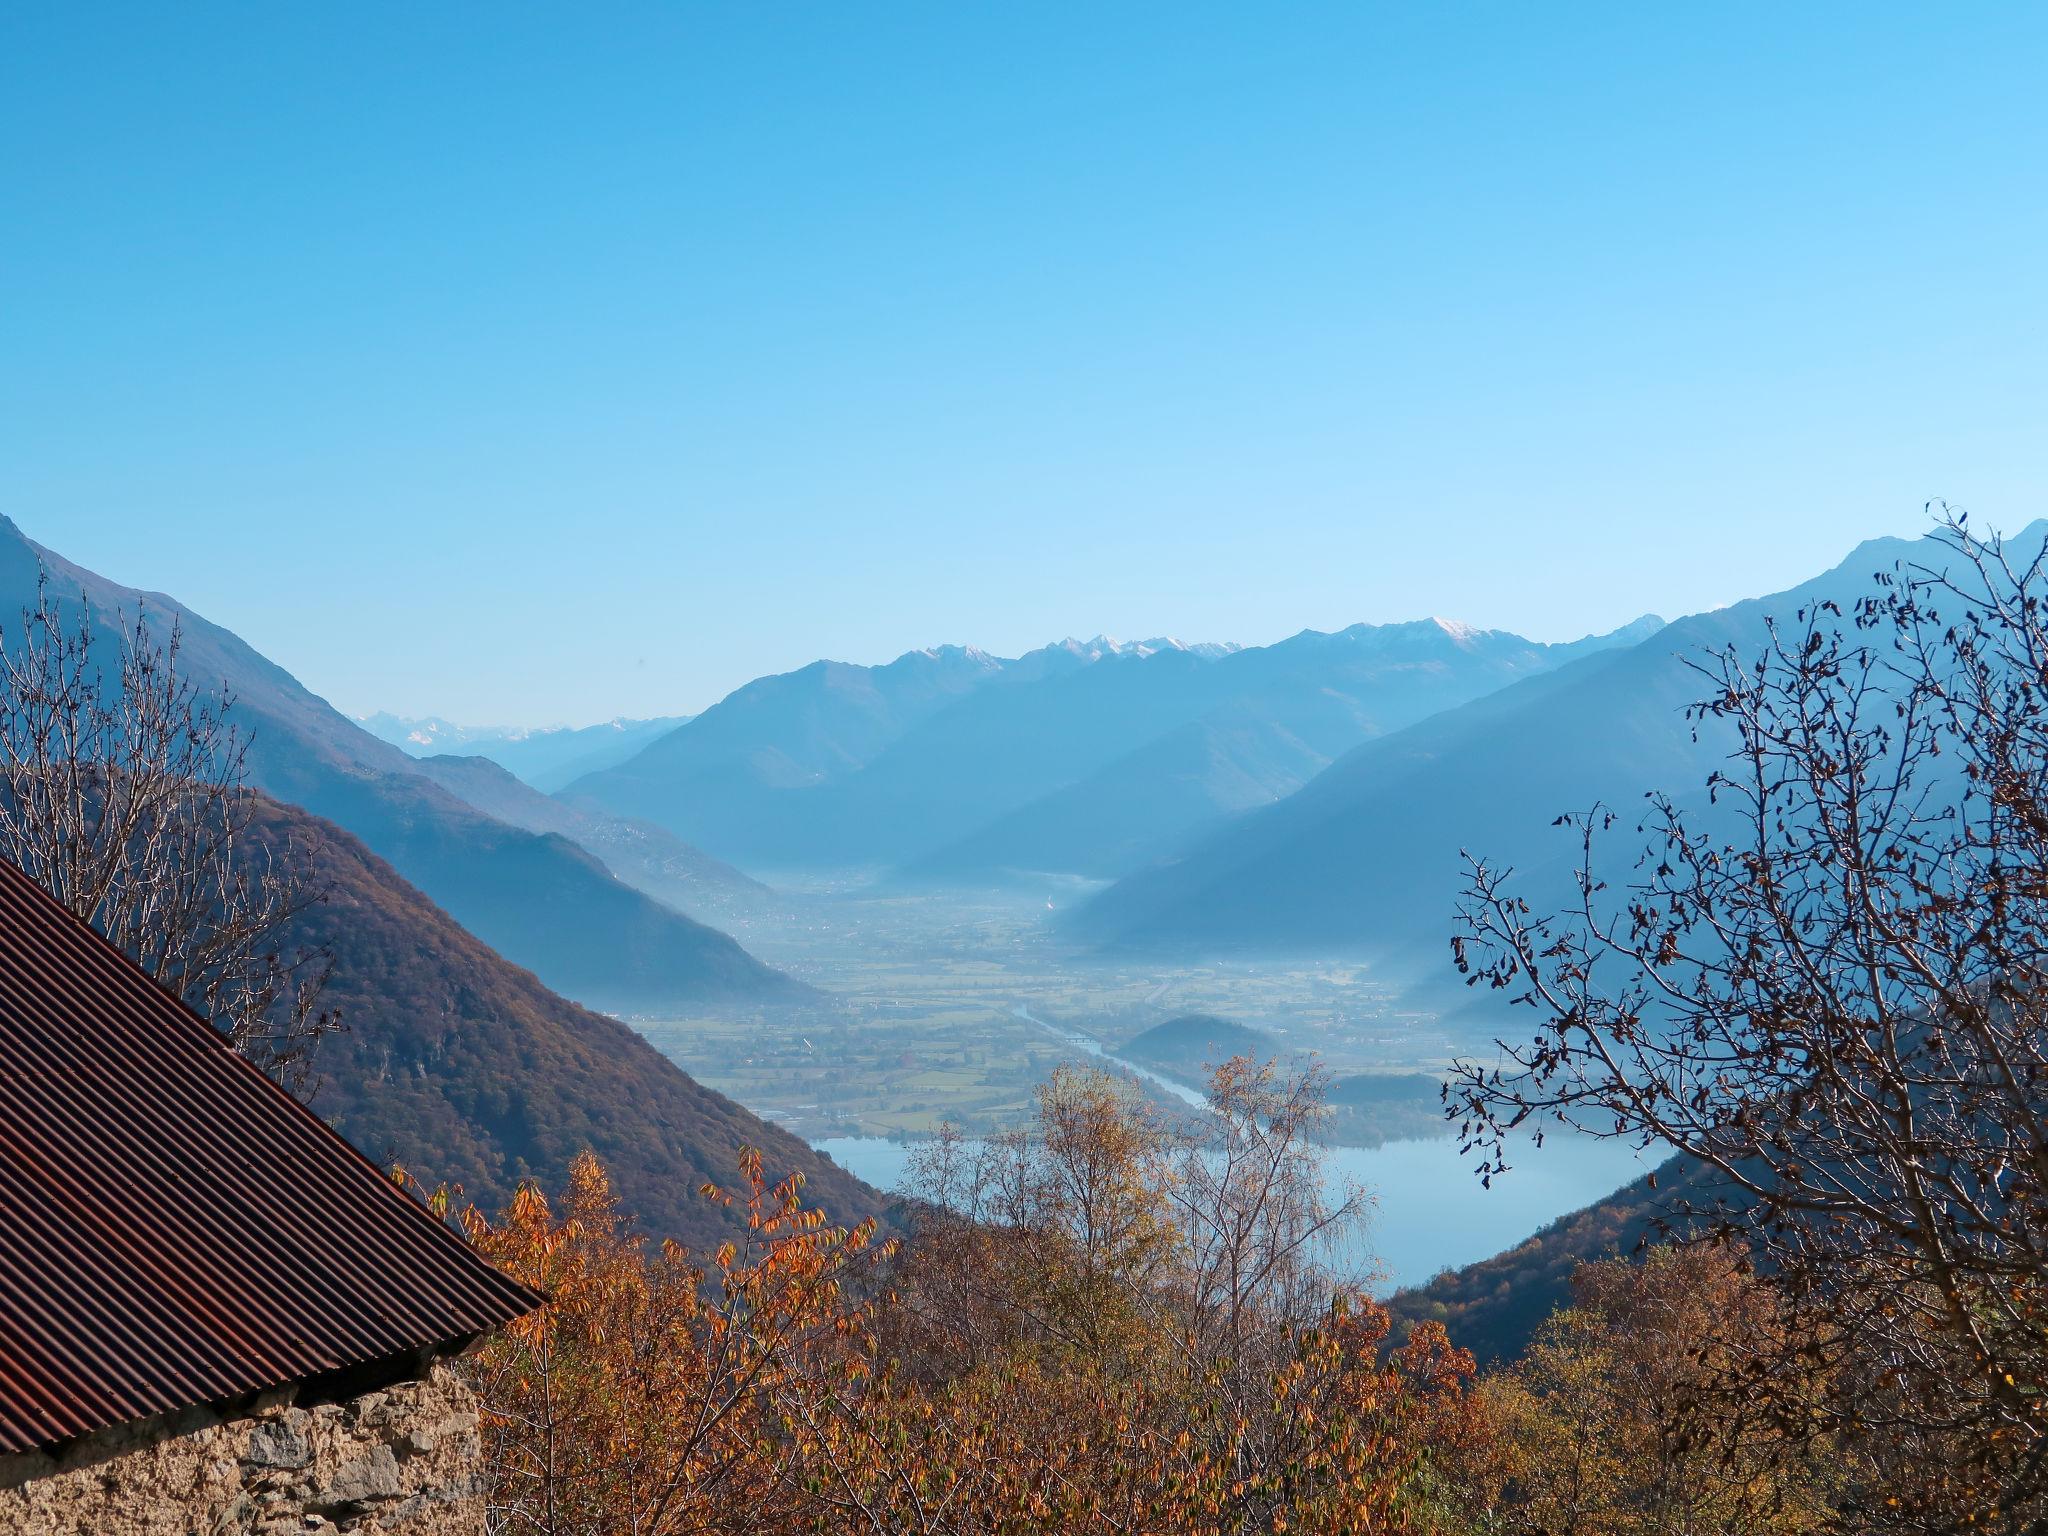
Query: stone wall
x=398, y=1462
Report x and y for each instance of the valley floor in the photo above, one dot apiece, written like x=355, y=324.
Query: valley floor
x=923, y=1022
x=950, y=1007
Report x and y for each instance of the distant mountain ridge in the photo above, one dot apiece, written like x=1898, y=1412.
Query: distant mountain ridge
x=647, y=857
x=1272, y=718
x=547, y=757
x=1365, y=858
x=951, y=763
x=538, y=898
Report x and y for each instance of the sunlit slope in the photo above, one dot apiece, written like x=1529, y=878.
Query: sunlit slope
x=465, y=1068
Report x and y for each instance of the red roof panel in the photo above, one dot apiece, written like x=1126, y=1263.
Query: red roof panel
x=175, y=1228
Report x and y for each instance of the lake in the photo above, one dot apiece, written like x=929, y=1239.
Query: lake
x=1430, y=1212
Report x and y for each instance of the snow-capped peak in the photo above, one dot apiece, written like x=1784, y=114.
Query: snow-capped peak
x=1108, y=645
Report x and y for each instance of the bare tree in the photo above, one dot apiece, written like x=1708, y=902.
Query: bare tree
x=1060, y=1232
x=1259, y=1222
x=123, y=793
x=1260, y=1226
x=1826, y=986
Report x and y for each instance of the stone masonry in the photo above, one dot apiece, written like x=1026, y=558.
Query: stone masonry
x=397, y=1462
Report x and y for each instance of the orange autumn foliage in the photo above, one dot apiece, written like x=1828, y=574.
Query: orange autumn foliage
x=798, y=1381
x=1020, y=1449
x=641, y=1399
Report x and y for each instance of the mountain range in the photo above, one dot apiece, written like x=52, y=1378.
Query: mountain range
x=1078, y=758
x=536, y=896
x=1313, y=796
x=1366, y=858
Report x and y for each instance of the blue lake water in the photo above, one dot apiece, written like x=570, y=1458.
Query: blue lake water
x=1429, y=1211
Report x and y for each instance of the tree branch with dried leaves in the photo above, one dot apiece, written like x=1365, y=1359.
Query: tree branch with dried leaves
x=1826, y=984
x=123, y=792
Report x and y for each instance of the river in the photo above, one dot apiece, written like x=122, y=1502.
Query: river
x=1094, y=1047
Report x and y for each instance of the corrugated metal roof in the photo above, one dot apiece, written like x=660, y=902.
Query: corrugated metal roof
x=175, y=1229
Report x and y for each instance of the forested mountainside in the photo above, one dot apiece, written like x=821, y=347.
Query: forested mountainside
x=538, y=898
x=1369, y=1108
x=1366, y=859
x=1193, y=1042
x=464, y=1067
x=1073, y=758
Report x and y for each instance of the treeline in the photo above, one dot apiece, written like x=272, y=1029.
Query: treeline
x=1095, y=1324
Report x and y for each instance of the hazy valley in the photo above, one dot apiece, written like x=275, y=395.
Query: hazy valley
x=1023, y=771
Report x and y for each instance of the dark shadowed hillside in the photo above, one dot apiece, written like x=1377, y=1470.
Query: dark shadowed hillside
x=1493, y=1307
x=538, y=898
x=464, y=1067
x=1375, y=1107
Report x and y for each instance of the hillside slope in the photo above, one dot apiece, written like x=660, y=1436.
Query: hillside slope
x=1494, y=1307
x=538, y=898
x=464, y=1067
x=647, y=857
x=1194, y=1042
x=1122, y=816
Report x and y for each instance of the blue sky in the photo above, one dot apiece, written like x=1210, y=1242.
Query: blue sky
x=535, y=363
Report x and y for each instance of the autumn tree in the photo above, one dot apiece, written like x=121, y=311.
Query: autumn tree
x=1609, y=1425
x=646, y=1396
x=1260, y=1226
x=123, y=792
x=1109, y=1323
x=1825, y=985
x=1054, y=1239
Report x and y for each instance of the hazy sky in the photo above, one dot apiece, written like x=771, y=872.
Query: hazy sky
x=537, y=363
